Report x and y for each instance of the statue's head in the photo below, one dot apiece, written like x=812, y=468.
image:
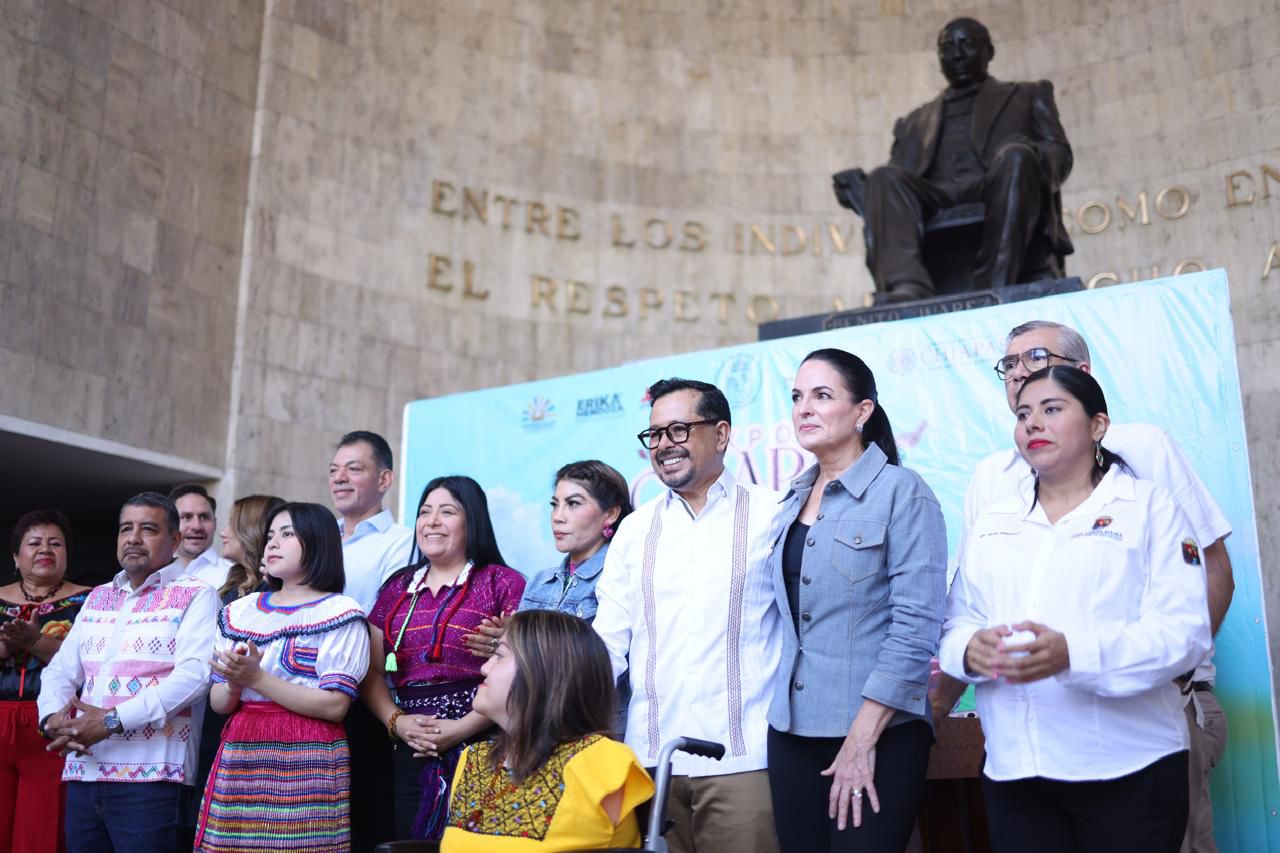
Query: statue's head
x=964, y=50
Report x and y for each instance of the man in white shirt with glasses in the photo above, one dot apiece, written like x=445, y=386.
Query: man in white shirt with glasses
x=687, y=601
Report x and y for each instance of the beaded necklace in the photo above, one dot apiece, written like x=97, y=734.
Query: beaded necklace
x=457, y=592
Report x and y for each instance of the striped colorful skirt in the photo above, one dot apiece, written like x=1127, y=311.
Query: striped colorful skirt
x=280, y=781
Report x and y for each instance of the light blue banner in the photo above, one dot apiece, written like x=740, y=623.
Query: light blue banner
x=1164, y=352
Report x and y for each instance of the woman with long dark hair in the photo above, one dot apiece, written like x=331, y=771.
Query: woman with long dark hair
x=456, y=578
x=551, y=778
x=1075, y=607
x=287, y=662
x=860, y=566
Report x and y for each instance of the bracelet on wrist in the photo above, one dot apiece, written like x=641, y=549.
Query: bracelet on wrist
x=391, y=723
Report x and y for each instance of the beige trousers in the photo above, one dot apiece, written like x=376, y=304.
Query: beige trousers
x=1208, y=742
x=721, y=814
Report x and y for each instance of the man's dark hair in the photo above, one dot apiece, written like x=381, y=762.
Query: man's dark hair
x=321, y=543
x=381, y=450
x=155, y=500
x=193, y=489
x=712, y=405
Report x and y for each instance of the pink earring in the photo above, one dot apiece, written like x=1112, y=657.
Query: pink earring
x=607, y=532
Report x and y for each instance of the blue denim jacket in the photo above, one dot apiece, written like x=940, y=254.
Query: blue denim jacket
x=872, y=599
x=556, y=589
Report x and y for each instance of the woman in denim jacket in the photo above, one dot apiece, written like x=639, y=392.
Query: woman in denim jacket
x=859, y=563
x=590, y=500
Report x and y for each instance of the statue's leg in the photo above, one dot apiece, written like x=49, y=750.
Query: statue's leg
x=1013, y=194
x=898, y=203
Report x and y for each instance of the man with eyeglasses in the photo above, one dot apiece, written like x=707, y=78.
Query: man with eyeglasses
x=686, y=598
x=1151, y=455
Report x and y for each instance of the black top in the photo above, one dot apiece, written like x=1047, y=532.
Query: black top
x=20, y=674
x=792, y=561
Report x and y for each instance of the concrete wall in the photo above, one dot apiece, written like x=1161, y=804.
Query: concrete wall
x=124, y=155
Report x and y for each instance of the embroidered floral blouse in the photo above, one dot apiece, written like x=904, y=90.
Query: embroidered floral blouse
x=448, y=615
x=556, y=808
x=20, y=673
x=323, y=643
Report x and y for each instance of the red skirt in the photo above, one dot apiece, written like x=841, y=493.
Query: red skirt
x=280, y=781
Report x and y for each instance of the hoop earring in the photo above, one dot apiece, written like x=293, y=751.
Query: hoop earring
x=1097, y=452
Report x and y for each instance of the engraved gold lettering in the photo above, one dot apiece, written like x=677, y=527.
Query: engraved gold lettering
x=468, y=283
x=1233, y=187
x=840, y=242
x=758, y=235
x=578, y=297
x=544, y=290
x=755, y=315
x=1168, y=193
x=682, y=299
x=1100, y=225
x=650, y=300
x=664, y=235
x=438, y=267
x=693, y=237
x=567, y=224
x=725, y=300
x=536, y=216
x=619, y=240
x=617, y=302
x=505, y=203
x=1268, y=174
x=1102, y=279
x=1131, y=213
x=792, y=240
x=478, y=205
x=1187, y=265
x=1273, y=260
x=440, y=192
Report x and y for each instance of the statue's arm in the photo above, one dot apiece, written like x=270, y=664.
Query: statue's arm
x=1050, y=138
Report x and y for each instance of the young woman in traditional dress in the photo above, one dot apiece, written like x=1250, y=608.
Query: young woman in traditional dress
x=551, y=779
x=288, y=662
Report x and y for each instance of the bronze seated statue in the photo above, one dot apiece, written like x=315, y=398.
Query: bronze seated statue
x=970, y=197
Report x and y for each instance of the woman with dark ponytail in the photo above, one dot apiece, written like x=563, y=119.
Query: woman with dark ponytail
x=860, y=564
x=1075, y=608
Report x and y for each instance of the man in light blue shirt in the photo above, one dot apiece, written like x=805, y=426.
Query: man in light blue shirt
x=373, y=548
x=373, y=545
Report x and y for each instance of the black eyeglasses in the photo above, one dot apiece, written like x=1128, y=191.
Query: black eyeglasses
x=678, y=432
x=1034, y=359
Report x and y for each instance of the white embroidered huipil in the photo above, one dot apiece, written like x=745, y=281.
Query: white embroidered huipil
x=1120, y=577
x=145, y=653
x=1150, y=454
x=689, y=602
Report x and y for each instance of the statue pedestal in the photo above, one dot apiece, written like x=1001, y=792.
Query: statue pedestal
x=920, y=308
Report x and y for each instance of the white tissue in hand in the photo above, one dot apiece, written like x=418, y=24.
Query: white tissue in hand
x=1019, y=638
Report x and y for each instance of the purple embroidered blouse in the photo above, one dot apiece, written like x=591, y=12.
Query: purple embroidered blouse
x=491, y=591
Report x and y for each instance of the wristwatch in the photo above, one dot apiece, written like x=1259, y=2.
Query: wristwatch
x=111, y=720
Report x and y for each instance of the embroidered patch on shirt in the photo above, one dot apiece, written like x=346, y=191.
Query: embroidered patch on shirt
x=1190, y=552
x=1101, y=522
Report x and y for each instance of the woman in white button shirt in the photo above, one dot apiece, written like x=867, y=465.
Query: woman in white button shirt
x=1075, y=607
